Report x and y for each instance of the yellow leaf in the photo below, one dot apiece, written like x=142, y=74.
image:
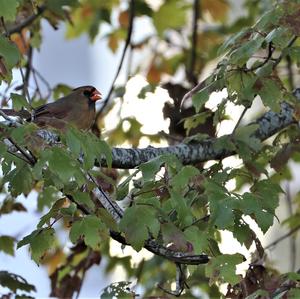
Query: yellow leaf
x=216, y=8
x=124, y=19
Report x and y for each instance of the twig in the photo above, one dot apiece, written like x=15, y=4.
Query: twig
x=31, y=159
x=127, y=43
x=290, y=43
x=180, y=281
x=28, y=156
x=291, y=232
x=239, y=120
x=28, y=63
x=4, y=26
x=290, y=72
x=18, y=156
x=293, y=248
x=42, y=78
x=25, y=89
x=6, y=117
x=111, y=206
x=269, y=57
x=26, y=22
x=196, y=14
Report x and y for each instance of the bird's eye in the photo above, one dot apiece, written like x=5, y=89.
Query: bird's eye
x=87, y=93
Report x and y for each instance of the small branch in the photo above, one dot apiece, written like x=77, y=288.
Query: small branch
x=26, y=22
x=3, y=114
x=239, y=120
x=180, y=281
x=290, y=72
x=193, y=58
x=110, y=206
x=271, y=50
x=127, y=43
x=290, y=43
x=293, y=248
x=291, y=232
x=25, y=88
x=28, y=156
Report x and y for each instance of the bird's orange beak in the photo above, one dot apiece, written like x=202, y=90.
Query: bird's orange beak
x=96, y=95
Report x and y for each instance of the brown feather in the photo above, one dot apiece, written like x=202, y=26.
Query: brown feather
x=77, y=109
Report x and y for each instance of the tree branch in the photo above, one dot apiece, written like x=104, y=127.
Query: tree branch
x=269, y=124
x=191, y=72
x=127, y=158
x=28, y=21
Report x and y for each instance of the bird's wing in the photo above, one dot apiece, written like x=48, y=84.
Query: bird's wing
x=55, y=110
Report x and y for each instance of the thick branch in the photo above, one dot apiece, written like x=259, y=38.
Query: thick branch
x=127, y=158
x=269, y=124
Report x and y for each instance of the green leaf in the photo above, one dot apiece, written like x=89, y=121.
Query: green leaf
x=200, y=98
x=198, y=238
x=293, y=293
x=224, y=143
x=241, y=55
x=107, y=219
x=19, y=102
x=164, y=20
x=40, y=241
x=74, y=141
x=104, y=149
x=150, y=168
x=242, y=232
x=9, y=9
x=69, y=211
x=9, y=51
x=240, y=86
x=64, y=166
x=245, y=134
x=292, y=276
x=15, y=282
x=261, y=203
x=89, y=228
x=222, y=212
x=47, y=197
x=7, y=245
x=194, y=121
x=53, y=213
x=279, y=37
x=83, y=198
x=179, y=203
x=222, y=268
x=182, y=178
x=118, y=290
x=20, y=179
x=88, y=145
x=214, y=190
x=294, y=53
x=233, y=40
x=270, y=93
x=269, y=18
x=57, y=5
x=259, y=294
x=137, y=229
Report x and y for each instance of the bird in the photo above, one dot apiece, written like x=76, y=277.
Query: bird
x=76, y=109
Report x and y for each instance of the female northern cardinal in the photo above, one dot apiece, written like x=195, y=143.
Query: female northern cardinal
x=77, y=109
